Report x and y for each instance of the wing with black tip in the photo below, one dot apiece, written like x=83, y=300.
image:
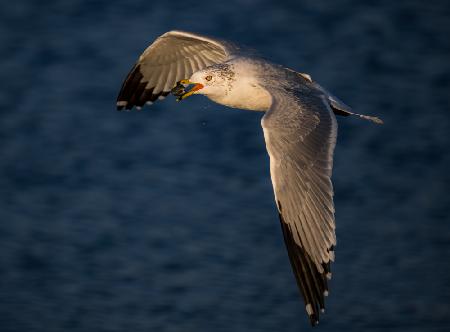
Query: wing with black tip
x=300, y=132
x=174, y=56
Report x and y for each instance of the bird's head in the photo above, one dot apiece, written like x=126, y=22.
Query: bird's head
x=212, y=81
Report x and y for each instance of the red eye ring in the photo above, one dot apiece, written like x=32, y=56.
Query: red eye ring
x=208, y=78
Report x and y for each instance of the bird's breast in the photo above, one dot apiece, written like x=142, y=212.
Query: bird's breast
x=245, y=96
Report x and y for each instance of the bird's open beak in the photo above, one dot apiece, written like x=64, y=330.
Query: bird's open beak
x=194, y=89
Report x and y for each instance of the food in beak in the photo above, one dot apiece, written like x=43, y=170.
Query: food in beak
x=181, y=93
x=178, y=90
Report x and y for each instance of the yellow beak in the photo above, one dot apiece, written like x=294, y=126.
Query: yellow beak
x=195, y=88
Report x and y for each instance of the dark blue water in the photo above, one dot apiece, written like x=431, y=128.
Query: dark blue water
x=164, y=220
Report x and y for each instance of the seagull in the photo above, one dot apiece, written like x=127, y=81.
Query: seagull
x=299, y=127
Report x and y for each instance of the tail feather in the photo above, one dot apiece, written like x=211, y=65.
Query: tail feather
x=338, y=106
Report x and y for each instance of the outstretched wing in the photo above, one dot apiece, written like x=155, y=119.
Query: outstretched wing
x=300, y=132
x=173, y=56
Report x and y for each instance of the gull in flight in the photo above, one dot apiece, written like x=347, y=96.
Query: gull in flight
x=299, y=127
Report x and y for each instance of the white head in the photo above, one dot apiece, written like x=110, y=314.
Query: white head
x=230, y=84
x=214, y=82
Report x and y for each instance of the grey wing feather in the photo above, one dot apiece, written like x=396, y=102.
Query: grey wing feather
x=174, y=56
x=300, y=132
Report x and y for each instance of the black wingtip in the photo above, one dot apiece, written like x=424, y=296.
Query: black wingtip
x=313, y=285
x=121, y=104
x=314, y=320
x=135, y=92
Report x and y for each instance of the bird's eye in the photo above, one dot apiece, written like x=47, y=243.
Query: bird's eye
x=208, y=78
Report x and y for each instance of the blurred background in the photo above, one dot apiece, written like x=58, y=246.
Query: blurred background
x=164, y=220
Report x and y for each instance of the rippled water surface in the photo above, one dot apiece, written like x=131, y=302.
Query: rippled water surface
x=163, y=220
